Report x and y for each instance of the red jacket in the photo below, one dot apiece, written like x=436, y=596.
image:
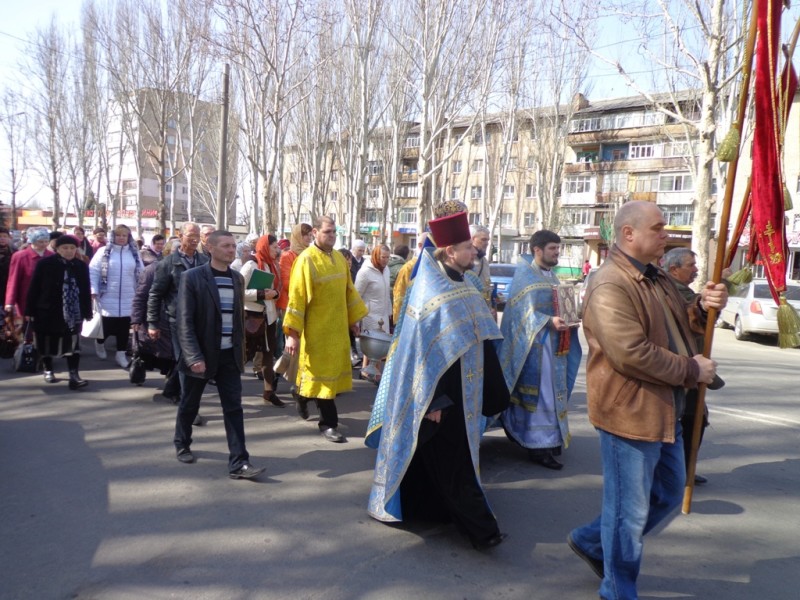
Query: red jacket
x=20, y=274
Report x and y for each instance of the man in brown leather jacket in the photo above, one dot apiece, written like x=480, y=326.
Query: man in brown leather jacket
x=642, y=358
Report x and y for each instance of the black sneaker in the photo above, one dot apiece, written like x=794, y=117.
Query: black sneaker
x=246, y=471
x=185, y=455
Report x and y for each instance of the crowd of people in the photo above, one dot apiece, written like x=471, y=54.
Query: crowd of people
x=201, y=306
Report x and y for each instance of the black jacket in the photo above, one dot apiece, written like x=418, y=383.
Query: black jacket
x=199, y=320
x=5, y=264
x=45, y=302
x=165, y=287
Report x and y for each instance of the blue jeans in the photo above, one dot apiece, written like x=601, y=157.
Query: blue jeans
x=642, y=485
x=229, y=387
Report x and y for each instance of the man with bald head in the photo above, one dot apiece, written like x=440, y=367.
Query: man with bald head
x=642, y=359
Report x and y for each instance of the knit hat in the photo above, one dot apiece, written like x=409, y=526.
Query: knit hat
x=34, y=234
x=64, y=240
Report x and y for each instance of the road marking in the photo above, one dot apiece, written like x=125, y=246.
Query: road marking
x=757, y=417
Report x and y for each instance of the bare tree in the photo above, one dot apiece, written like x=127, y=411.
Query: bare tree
x=48, y=68
x=14, y=121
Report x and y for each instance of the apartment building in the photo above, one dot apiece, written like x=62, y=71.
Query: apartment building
x=178, y=152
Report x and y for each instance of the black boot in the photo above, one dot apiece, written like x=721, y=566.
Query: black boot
x=75, y=380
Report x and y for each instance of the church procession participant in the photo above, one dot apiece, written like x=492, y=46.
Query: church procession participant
x=540, y=355
x=442, y=376
x=323, y=305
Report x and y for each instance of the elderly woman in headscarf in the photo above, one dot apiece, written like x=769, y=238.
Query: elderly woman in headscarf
x=114, y=273
x=20, y=270
x=260, y=309
x=244, y=253
x=59, y=300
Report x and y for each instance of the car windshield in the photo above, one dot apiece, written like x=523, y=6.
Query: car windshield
x=761, y=291
x=502, y=270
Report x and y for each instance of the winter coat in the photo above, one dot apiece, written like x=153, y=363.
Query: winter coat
x=116, y=298
x=373, y=287
x=20, y=273
x=45, y=294
x=162, y=347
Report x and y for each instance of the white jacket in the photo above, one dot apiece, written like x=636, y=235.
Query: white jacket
x=250, y=296
x=117, y=297
x=373, y=287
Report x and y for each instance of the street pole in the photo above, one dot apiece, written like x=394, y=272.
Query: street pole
x=223, y=151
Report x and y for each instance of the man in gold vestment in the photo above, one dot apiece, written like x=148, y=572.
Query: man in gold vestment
x=323, y=304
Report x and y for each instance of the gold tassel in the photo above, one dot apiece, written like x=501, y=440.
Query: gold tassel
x=729, y=148
x=788, y=325
x=742, y=277
x=787, y=199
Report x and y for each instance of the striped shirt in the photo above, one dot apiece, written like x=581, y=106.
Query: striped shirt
x=224, y=282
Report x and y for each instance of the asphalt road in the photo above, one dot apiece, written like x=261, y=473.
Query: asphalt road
x=95, y=506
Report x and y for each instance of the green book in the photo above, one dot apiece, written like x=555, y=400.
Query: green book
x=260, y=280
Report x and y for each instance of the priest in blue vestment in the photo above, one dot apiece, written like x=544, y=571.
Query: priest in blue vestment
x=441, y=377
x=540, y=355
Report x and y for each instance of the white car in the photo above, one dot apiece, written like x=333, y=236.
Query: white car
x=751, y=309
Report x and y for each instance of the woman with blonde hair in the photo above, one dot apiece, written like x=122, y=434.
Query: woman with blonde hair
x=114, y=272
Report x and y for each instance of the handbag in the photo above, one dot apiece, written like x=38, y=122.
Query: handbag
x=93, y=328
x=8, y=341
x=26, y=357
x=255, y=325
x=137, y=373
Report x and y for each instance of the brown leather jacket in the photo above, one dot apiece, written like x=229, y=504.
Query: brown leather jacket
x=631, y=372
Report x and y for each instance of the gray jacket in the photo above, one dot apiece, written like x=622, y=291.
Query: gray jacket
x=165, y=286
x=199, y=321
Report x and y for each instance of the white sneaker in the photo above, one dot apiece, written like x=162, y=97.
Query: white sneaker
x=122, y=359
x=100, y=350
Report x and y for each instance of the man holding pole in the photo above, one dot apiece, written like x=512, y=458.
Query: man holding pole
x=642, y=358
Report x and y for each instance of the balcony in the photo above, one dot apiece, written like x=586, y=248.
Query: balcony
x=631, y=165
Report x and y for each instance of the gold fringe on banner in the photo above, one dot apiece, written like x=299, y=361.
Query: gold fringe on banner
x=788, y=325
x=729, y=147
x=742, y=277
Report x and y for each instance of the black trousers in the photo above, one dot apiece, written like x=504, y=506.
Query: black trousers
x=118, y=327
x=687, y=423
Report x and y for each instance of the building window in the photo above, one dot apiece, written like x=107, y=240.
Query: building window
x=334, y=175
x=642, y=150
x=508, y=191
x=371, y=215
x=477, y=165
x=675, y=182
x=375, y=167
x=615, y=182
x=530, y=190
x=579, y=184
x=172, y=124
x=529, y=220
x=590, y=124
x=334, y=196
x=167, y=188
x=507, y=219
x=474, y=218
x=292, y=177
x=476, y=192
x=455, y=192
x=645, y=182
x=170, y=139
x=167, y=173
x=412, y=141
x=407, y=215
x=579, y=216
x=512, y=163
x=129, y=184
x=479, y=138
x=619, y=154
x=374, y=192
x=130, y=202
x=678, y=215
x=406, y=190
x=587, y=156
x=530, y=163
x=305, y=217
x=457, y=166
x=184, y=190
x=678, y=149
